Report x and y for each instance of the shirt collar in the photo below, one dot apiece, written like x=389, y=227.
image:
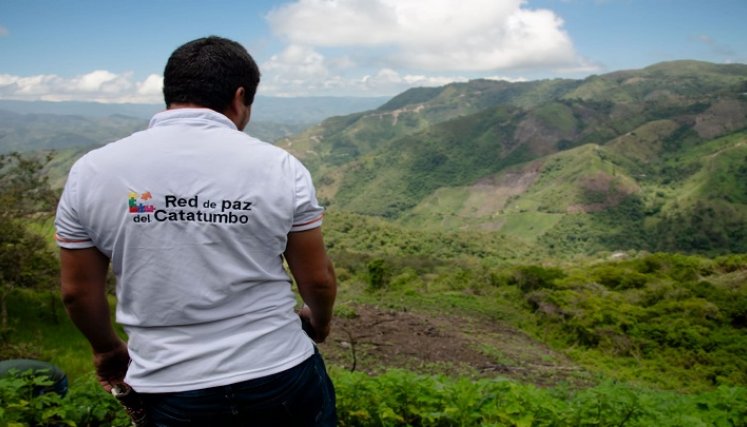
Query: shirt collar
x=168, y=117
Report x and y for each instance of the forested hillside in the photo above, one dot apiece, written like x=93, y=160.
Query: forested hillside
x=650, y=159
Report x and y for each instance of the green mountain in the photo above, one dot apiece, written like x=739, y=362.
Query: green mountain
x=651, y=159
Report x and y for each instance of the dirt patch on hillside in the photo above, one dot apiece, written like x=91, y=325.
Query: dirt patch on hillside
x=603, y=191
x=377, y=339
x=490, y=194
x=721, y=118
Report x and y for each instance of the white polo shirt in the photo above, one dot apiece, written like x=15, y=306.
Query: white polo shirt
x=194, y=216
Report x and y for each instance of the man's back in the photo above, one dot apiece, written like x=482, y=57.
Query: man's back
x=194, y=216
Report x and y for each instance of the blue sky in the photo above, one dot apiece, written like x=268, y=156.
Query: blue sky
x=114, y=51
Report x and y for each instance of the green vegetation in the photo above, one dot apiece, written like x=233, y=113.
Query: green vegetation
x=401, y=398
x=25, y=260
x=659, y=320
x=663, y=334
x=85, y=404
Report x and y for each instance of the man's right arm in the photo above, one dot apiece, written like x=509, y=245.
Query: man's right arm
x=83, y=287
x=313, y=272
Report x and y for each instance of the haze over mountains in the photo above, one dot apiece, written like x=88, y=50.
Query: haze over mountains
x=650, y=159
x=33, y=125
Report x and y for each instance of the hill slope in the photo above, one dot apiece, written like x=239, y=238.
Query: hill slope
x=640, y=159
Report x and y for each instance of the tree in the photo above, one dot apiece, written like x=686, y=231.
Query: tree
x=25, y=258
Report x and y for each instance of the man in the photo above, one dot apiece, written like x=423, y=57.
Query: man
x=196, y=217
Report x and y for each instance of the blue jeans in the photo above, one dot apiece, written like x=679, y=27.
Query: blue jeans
x=301, y=396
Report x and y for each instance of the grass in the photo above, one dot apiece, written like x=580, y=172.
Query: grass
x=41, y=328
x=529, y=225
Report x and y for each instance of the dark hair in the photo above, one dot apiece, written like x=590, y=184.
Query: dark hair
x=207, y=72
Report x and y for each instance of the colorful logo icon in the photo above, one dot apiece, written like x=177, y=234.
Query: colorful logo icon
x=137, y=203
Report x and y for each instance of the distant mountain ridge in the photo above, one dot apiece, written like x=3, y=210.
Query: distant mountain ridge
x=35, y=125
x=44, y=131
x=285, y=110
x=650, y=159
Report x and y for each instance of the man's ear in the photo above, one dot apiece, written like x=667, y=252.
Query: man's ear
x=238, y=99
x=237, y=111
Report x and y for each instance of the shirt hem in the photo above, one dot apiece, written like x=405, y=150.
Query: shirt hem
x=233, y=379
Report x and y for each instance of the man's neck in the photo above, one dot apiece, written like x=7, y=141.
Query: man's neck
x=177, y=105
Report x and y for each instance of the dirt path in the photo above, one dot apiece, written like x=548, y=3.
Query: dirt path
x=376, y=339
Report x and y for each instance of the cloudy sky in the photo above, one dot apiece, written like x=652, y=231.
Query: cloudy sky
x=114, y=51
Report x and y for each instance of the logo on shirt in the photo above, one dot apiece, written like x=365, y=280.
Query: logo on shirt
x=187, y=209
x=137, y=203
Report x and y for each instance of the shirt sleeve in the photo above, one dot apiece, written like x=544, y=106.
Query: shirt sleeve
x=308, y=214
x=70, y=233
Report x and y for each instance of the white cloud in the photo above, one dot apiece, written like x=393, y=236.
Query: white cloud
x=442, y=35
x=390, y=81
x=99, y=86
x=363, y=48
x=507, y=79
x=152, y=86
x=301, y=61
x=305, y=72
x=296, y=70
x=101, y=82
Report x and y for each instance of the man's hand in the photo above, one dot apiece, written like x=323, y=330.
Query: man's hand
x=111, y=366
x=318, y=333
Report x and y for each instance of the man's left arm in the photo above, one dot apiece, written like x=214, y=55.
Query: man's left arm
x=83, y=286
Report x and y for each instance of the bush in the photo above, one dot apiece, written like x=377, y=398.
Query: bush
x=531, y=278
x=615, y=277
x=378, y=274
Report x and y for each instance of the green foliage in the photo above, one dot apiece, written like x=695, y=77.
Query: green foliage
x=25, y=187
x=658, y=310
x=377, y=274
x=86, y=404
x=614, y=277
x=21, y=405
x=401, y=398
x=25, y=260
x=706, y=228
x=530, y=278
x=356, y=239
x=668, y=320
